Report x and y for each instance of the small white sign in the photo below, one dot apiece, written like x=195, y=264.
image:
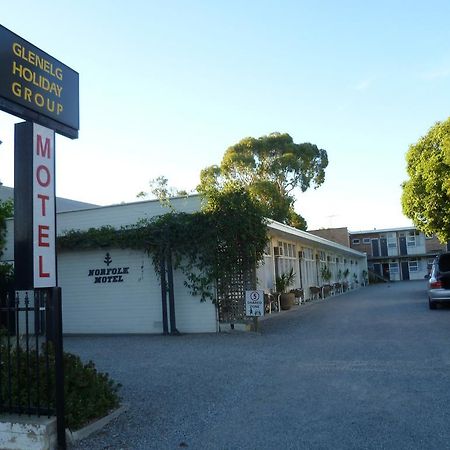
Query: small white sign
x=254, y=303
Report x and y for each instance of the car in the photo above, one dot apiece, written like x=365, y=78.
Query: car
x=439, y=281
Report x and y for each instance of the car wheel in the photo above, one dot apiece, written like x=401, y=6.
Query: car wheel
x=431, y=304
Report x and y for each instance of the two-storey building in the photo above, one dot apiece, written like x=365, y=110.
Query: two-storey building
x=397, y=253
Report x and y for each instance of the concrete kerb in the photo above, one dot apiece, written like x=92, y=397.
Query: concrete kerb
x=303, y=305
x=75, y=436
x=18, y=432
x=248, y=326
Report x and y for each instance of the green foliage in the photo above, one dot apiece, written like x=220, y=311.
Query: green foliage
x=160, y=189
x=6, y=276
x=365, y=276
x=88, y=393
x=271, y=167
x=227, y=235
x=285, y=280
x=325, y=273
x=6, y=211
x=426, y=195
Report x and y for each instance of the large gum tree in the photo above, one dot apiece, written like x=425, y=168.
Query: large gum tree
x=426, y=194
x=271, y=167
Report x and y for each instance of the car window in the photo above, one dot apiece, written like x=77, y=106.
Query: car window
x=444, y=262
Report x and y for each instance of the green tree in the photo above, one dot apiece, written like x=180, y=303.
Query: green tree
x=6, y=270
x=271, y=167
x=426, y=195
x=160, y=189
x=6, y=210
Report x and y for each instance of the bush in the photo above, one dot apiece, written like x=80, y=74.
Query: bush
x=88, y=394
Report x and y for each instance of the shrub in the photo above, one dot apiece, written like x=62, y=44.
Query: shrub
x=88, y=394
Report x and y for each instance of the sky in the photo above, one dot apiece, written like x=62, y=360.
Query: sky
x=167, y=86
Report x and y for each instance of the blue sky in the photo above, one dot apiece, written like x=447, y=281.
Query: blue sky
x=167, y=86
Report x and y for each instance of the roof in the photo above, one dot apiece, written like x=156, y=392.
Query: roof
x=62, y=204
x=308, y=237
x=384, y=230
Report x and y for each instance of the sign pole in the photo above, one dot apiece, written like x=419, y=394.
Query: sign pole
x=45, y=92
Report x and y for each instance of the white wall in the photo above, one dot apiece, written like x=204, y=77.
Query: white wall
x=131, y=306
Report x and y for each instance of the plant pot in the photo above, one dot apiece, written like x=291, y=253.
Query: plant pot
x=287, y=300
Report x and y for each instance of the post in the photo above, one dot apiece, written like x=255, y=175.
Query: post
x=23, y=206
x=173, y=325
x=55, y=302
x=162, y=270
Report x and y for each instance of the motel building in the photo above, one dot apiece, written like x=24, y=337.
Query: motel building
x=396, y=254
x=116, y=291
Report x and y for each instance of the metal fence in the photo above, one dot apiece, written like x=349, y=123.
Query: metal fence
x=31, y=366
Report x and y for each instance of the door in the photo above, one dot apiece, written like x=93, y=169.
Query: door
x=377, y=269
x=405, y=270
x=386, y=274
x=375, y=248
x=384, y=247
x=403, y=248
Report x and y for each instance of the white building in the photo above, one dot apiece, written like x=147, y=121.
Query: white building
x=112, y=290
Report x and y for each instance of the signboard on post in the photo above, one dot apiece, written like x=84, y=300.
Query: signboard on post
x=45, y=92
x=37, y=87
x=34, y=205
x=254, y=303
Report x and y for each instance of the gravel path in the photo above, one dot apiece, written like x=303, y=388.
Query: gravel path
x=369, y=369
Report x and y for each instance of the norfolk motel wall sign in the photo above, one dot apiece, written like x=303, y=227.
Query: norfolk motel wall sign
x=102, y=275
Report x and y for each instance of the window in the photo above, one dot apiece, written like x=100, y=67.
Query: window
x=356, y=241
x=267, y=249
x=392, y=242
x=322, y=256
x=287, y=260
x=308, y=253
x=366, y=241
x=413, y=266
x=411, y=238
x=393, y=267
x=291, y=250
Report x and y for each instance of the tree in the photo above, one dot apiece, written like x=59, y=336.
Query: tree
x=271, y=167
x=160, y=189
x=6, y=211
x=426, y=195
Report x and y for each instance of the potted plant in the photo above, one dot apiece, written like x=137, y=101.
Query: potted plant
x=365, y=277
x=326, y=275
x=346, y=274
x=282, y=284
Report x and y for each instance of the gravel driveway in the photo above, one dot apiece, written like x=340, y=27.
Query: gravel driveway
x=365, y=370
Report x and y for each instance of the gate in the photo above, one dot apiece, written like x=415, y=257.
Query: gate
x=31, y=366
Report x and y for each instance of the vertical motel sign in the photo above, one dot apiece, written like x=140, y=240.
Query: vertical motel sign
x=34, y=206
x=43, y=91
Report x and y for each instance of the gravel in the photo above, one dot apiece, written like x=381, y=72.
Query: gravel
x=367, y=369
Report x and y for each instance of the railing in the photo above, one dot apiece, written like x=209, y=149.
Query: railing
x=31, y=377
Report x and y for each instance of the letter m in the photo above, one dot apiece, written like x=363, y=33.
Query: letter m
x=43, y=150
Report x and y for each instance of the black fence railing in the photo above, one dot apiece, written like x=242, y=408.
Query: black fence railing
x=31, y=377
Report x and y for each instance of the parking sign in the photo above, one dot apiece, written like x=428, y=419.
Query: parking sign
x=254, y=303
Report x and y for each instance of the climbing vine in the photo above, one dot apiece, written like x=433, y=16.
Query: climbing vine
x=227, y=235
